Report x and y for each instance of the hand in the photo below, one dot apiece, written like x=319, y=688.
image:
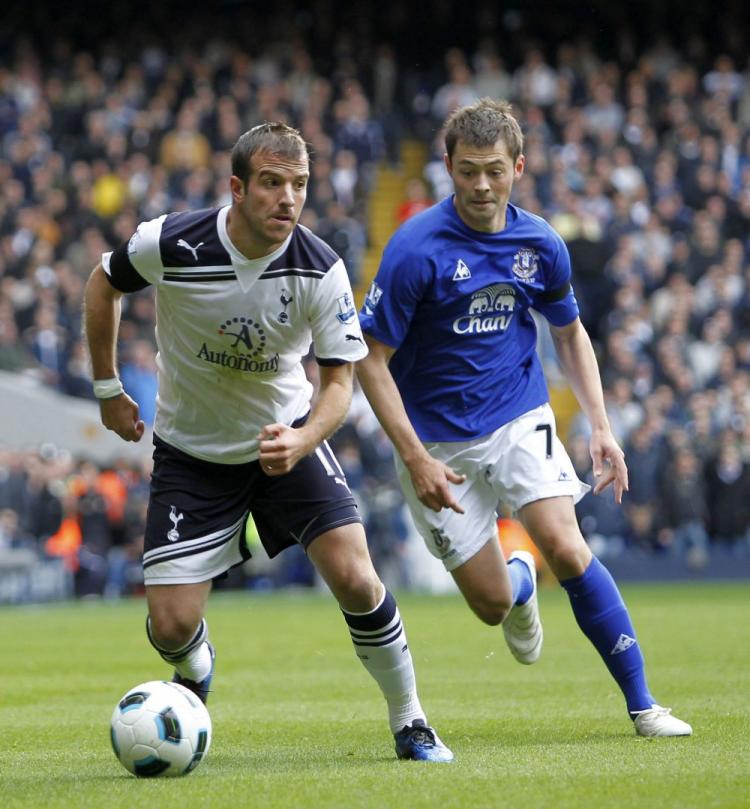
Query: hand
x=431, y=480
x=281, y=447
x=120, y=414
x=609, y=464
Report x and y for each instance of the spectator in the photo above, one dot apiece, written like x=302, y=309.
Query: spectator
x=685, y=509
x=346, y=236
x=417, y=199
x=728, y=491
x=138, y=375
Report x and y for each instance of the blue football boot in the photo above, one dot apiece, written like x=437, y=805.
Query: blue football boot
x=420, y=743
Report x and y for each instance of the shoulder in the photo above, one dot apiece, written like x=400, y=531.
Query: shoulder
x=538, y=227
x=190, y=238
x=306, y=254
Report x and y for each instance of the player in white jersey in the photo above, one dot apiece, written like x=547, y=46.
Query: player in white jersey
x=453, y=376
x=241, y=294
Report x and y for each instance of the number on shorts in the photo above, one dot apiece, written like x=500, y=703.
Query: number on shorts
x=547, y=429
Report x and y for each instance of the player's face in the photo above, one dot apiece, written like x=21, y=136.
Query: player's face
x=483, y=178
x=265, y=212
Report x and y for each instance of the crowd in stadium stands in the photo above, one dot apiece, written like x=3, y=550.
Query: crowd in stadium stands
x=641, y=162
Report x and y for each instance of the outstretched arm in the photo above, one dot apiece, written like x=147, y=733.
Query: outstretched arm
x=430, y=477
x=281, y=446
x=101, y=311
x=582, y=371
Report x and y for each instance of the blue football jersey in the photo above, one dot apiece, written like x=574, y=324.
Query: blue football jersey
x=454, y=303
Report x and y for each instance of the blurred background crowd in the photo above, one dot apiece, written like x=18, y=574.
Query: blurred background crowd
x=637, y=132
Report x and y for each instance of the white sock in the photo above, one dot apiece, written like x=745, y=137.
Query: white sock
x=196, y=665
x=380, y=643
x=193, y=660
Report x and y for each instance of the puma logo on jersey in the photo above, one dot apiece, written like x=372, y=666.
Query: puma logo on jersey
x=173, y=534
x=462, y=271
x=193, y=250
x=353, y=337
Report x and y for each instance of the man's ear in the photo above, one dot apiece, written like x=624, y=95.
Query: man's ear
x=237, y=187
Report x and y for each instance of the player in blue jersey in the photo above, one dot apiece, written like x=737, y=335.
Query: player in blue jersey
x=454, y=379
x=242, y=292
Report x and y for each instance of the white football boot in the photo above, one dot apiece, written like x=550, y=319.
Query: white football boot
x=522, y=627
x=658, y=721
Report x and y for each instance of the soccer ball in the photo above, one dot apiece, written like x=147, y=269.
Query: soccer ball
x=160, y=729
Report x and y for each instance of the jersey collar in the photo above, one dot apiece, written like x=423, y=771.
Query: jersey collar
x=246, y=269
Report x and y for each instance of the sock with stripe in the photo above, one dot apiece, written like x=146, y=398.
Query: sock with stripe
x=603, y=617
x=380, y=643
x=193, y=660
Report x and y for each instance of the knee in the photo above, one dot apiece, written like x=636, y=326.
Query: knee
x=491, y=611
x=172, y=629
x=568, y=557
x=357, y=590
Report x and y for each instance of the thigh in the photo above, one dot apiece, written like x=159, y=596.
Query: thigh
x=484, y=578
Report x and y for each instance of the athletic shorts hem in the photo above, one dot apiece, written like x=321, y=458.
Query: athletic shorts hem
x=316, y=532
x=195, y=578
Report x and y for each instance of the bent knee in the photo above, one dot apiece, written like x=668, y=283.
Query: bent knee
x=568, y=559
x=358, y=591
x=491, y=611
x=172, y=630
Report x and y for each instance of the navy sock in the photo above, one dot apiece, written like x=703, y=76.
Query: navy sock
x=603, y=617
x=520, y=581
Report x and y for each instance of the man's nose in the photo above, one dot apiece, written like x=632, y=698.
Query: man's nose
x=482, y=181
x=287, y=195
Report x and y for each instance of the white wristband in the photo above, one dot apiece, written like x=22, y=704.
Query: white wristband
x=108, y=388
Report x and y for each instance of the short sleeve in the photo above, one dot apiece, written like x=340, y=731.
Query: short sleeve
x=337, y=336
x=392, y=300
x=120, y=272
x=143, y=255
x=557, y=301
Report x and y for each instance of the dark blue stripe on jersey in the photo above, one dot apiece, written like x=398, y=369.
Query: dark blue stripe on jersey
x=201, y=246
x=305, y=255
x=195, y=277
x=122, y=274
x=330, y=362
x=554, y=295
x=377, y=619
x=283, y=273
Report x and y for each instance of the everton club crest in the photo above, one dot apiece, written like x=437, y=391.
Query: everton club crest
x=525, y=263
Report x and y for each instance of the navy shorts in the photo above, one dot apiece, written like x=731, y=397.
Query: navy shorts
x=195, y=528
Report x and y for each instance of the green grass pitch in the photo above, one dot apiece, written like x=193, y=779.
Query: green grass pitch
x=298, y=723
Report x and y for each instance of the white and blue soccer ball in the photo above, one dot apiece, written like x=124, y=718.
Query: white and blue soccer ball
x=160, y=729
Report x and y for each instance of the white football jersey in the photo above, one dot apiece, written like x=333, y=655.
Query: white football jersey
x=232, y=332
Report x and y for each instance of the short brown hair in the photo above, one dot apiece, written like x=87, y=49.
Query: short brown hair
x=270, y=136
x=483, y=124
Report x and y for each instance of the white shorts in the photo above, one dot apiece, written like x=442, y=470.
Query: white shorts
x=519, y=463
